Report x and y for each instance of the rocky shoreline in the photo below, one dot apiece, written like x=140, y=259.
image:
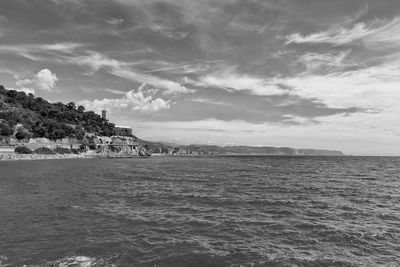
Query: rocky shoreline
x=15, y=157
x=12, y=157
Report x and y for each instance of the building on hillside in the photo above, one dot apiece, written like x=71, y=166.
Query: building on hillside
x=123, y=131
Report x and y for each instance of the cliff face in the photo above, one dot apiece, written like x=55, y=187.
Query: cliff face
x=120, y=146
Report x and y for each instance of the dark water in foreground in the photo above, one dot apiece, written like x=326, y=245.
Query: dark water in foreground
x=224, y=211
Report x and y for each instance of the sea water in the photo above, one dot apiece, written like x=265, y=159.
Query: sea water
x=201, y=211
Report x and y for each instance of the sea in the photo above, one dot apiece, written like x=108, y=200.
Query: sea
x=201, y=211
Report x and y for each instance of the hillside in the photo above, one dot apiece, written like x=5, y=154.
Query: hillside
x=41, y=118
x=237, y=150
x=247, y=150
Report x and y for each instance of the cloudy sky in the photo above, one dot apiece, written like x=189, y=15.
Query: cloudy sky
x=299, y=73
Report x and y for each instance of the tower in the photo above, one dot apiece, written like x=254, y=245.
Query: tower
x=104, y=114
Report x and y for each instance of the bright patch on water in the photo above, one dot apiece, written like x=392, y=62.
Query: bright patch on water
x=76, y=261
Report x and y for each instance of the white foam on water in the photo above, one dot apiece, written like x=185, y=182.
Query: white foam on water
x=75, y=261
x=2, y=261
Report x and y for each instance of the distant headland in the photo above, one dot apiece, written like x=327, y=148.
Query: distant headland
x=175, y=149
x=33, y=128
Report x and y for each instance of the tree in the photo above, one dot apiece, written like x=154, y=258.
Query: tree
x=12, y=93
x=5, y=130
x=51, y=120
x=39, y=130
x=57, y=134
x=81, y=108
x=79, y=133
x=20, y=134
x=71, y=105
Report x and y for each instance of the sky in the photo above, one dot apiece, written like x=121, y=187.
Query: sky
x=300, y=73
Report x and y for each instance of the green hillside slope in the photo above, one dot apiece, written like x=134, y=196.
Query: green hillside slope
x=41, y=118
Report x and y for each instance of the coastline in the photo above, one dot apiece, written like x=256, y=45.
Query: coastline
x=16, y=157
x=87, y=155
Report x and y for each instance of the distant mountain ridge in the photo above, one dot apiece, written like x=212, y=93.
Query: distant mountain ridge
x=165, y=147
x=266, y=150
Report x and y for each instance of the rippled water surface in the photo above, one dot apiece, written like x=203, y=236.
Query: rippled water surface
x=217, y=211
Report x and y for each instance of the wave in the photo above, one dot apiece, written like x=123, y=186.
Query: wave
x=209, y=260
x=78, y=261
x=3, y=261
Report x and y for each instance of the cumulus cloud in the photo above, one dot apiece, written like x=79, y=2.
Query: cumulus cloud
x=44, y=80
x=142, y=100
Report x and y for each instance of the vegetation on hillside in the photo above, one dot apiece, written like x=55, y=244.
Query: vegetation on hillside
x=41, y=118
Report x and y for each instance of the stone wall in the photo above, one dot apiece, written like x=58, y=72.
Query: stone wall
x=35, y=143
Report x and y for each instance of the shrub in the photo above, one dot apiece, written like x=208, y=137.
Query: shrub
x=44, y=151
x=61, y=150
x=77, y=151
x=22, y=150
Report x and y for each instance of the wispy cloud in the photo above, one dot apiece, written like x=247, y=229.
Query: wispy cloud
x=114, y=91
x=3, y=20
x=209, y=101
x=184, y=68
x=115, y=21
x=97, y=61
x=68, y=2
x=374, y=87
x=337, y=76
x=329, y=62
x=37, y=52
x=373, y=34
x=230, y=80
x=69, y=53
x=168, y=32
